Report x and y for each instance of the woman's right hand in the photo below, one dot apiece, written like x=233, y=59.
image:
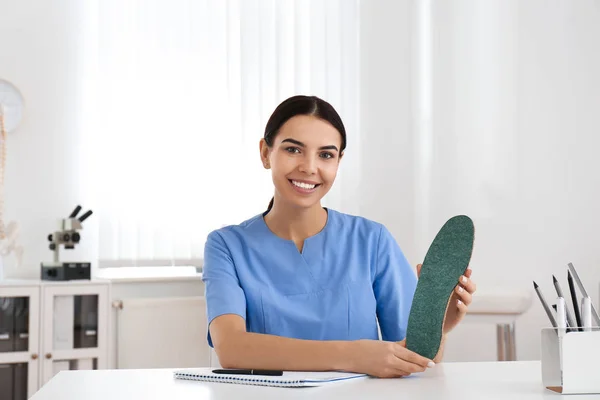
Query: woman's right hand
x=383, y=359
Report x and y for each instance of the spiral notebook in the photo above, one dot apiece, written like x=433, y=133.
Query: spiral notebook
x=288, y=379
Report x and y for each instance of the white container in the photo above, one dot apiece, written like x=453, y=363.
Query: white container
x=570, y=362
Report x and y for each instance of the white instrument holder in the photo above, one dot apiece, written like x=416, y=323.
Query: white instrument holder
x=569, y=362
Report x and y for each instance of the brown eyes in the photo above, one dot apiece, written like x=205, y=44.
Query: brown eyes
x=292, y=150
x=295, y=150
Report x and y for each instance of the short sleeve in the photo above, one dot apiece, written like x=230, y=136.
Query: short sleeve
x=223, y=292
x=394, y=287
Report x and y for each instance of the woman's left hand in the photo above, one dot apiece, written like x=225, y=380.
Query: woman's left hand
x=461, y=298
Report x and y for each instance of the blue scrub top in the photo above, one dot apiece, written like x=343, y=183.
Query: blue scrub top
x=349, y=277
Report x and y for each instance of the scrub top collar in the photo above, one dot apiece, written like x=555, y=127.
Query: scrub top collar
x=268, y=233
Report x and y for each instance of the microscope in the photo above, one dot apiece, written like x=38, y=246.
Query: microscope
x=67, y=236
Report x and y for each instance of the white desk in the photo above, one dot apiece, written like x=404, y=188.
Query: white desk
x=460, y=381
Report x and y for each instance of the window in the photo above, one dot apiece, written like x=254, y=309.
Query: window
x=178, y=93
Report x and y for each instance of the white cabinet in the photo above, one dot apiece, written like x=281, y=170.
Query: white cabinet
x=66, y=327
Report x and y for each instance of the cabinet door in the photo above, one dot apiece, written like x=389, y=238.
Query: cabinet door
x=19, y=342
x=75, y=328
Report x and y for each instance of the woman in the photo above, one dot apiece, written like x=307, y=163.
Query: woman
x=302, y=287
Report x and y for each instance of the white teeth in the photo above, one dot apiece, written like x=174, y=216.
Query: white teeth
x=303, y=185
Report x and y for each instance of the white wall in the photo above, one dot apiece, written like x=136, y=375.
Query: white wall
x=559, y=187
x=512, y=136
x=387, y=156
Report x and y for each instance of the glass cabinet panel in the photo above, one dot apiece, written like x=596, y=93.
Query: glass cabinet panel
x=13, y=381
x=75, y=322
x=14, y=324
x=86, y=321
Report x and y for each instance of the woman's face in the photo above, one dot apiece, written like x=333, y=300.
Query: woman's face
x=304, y=160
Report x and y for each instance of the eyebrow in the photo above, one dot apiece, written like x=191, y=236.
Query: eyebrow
x=330, y=147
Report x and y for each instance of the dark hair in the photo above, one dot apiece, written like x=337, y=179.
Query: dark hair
x=302, y=105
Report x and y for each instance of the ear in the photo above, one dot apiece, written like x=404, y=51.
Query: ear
x=265, y=151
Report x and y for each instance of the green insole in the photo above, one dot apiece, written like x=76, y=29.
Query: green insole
x=447, y=259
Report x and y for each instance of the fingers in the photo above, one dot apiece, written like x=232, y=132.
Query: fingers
x=409, y=368
x=419, y=269
x=463, y=296
x=462, y=307
x=410, y=361
x=465, y=290
x=402, y=362
x=393, y=371
x=467, y=283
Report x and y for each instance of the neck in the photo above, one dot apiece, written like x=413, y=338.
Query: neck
x=295, y=223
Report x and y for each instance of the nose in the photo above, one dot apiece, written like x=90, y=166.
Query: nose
x=308, y=165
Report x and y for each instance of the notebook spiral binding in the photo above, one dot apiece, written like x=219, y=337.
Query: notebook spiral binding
x=237, y=379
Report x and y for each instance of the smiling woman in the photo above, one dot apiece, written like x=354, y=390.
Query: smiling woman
x=302, y=286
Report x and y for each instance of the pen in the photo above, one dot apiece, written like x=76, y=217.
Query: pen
x=555, y=310
x=575, y=301
x=545, y=305
x=586, y=313
x=566, y=309
x=561, y=318
x=584, y=292
x=562, y=325
x=248, y=372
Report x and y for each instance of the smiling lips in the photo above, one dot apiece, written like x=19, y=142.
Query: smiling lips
x=304, y=187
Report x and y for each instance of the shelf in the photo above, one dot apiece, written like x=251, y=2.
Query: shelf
x=149, y=274
x=39, y=282
x=20, y=282
x=76, y=283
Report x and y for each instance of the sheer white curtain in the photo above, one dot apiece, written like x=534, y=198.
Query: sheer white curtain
x=183, y=90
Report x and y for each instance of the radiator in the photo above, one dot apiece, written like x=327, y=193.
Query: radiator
x=163, y=333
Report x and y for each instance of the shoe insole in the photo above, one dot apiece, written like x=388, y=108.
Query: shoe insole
x=446, y=260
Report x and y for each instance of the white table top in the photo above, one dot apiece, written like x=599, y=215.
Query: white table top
x=461, y=381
